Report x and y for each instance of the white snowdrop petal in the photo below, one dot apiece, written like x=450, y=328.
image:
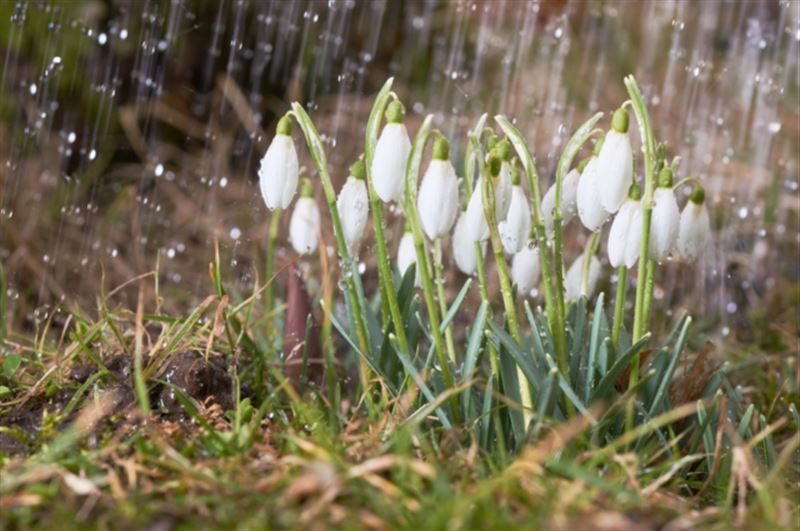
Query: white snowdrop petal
x=502, y=192
x=694, y=230
x=574, y=277
x=515, y=229
x=476, y=227
x=407, y=255
x=615, y=166
x=278, y=172
x=464, y=247
x=590, y=211
x=525, y=269
x=353, y=209
x=438, y=199
x=664, y=224
x=389, y=162
x=633, y=244
x=304, y=225
x=569, y=193
x=618, y=235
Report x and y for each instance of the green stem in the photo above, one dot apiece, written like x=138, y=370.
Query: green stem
x=389, y=304
x=423, y=264
x=317, y=151
x=649, y=147
x=272, y=237
x=619, y=305
x=649, y=285
x=505, y=289
x=439, y=279
x=687, y=180
x=557, y=331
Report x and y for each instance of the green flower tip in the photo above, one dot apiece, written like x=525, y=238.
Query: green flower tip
x=619, y=122
x=441, y=149
x=504, y=150
x=358, y=169
x=598, y=145
x=491, y=141
x=582, y=164
x=635, y=192
x=698, y=195
x=395, y=112
x=284, y=126
x=515, y=178
x=495, y=163
x=665, y=177
x=306, y=189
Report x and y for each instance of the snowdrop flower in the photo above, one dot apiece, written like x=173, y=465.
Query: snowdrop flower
x=464, y=248
x=407, y=255
x=695, y=226
x=503, y=183
x=352, y=204
x=590, y=211
x=666, y=218
x=304, y=226
x=525, y=269
x=574, y=278
x=615, y=163
x=625, y=236
x=279, y=168
x=388, y=168
x=438, y=194
x=569, y=193
x=515, y=229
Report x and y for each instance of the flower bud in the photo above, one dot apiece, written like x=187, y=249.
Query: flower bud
x=352, y=204
x=515, y=229
x=590, y=211
x=437, y=202
x=569, y=194
x=304, y=226
x=615, y=164
x=407, y=255
x=664, y=224
x=279, y=169
x=695, y=226
x=464, y=248
x=389, y=161
x=574, y=278
x=525, y=268
x=625, y=236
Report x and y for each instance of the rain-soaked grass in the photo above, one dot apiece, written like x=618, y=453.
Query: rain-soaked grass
x=77, y=449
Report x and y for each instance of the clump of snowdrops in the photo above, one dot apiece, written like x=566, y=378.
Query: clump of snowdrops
x=508, y=378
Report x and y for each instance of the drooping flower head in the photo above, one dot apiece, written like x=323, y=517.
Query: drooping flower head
x=389, y=161
x=438, y=194
x=353, y=205
x=695, y=226
x=666, y=218
x=590, y=211
x=407, y=255
x=514, y=230
x=502, y=179
x=279, y=169
x=615, y=163
x=573, y=281
x=625, y=236
x=464, y=253
x=569, y=193
x=525, y=269
x=304, y=226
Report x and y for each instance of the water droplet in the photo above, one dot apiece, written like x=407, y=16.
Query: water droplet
x=774, y=127
x=235, y=233
x=159, y=170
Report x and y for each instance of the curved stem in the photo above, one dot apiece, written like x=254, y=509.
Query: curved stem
x=423, y=264
x=588, y=254
x=649, y=147
x=439, y=280
x=388, y=293
x=687, y=180
x=353, y=279
x=505, y=288
x=525, y=156
x=619, y=305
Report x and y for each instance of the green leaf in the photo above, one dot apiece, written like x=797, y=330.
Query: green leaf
x=607, y=383
x=4, y=390
x=666, y=377
x=574, y=145
x=594, y=346
x=10, y=364
x=471, y=358
x=374, y=122
x=456, y=305
x=744, y=423
x=387, y=381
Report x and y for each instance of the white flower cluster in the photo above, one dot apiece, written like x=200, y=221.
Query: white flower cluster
x=602, y=186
